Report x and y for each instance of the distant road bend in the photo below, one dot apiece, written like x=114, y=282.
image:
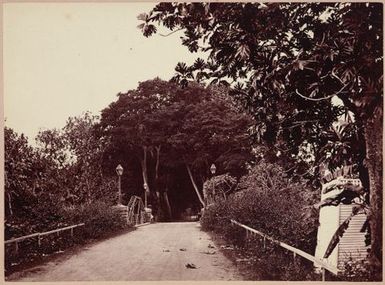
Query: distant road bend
x=161, y=251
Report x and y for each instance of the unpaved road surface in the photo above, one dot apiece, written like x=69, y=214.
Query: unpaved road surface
x=154, y=252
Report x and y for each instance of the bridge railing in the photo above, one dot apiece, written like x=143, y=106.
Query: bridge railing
x=323, y=265
x=136, y=211
x=40, y=235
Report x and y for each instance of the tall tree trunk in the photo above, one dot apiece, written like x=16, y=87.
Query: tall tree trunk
x=143, y=163
x=157, y=170
x=167, y=202
x=164, y=203
x=373, y=138
x=157, y=161
x=195, y=186
x=10, y=204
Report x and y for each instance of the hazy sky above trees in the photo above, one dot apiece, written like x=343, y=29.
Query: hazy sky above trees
x=63, y=59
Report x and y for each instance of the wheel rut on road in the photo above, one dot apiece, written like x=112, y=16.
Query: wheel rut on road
x=161, y=251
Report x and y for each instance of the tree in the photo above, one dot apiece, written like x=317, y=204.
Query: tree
x=212, y=130
x=18, y=167
x=165, y=127
x=86, y=150
x=292, y=60
x=69, y=162
x=52, y=145
x=32, y=188
x=129, y=124
x=54, y=164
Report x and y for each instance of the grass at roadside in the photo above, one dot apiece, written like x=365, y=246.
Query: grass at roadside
x=237, y=255
x=256, y=263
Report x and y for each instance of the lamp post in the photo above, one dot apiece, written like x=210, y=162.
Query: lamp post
x=119, y=171
x=213, y=169
x=145, y=186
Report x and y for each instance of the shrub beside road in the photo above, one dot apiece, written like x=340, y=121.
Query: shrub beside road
x=268, y=201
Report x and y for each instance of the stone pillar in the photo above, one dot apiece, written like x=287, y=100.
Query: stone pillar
x=122, y=210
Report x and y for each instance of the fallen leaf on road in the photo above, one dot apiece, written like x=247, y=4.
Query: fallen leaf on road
x=191, y=266
x=209, y=252
x=211, y=246
x=182, y=249
x=166, y=250
x=242, y=260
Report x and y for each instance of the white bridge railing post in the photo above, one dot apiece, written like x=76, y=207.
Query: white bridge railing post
x=136, y=211
x=323, y=273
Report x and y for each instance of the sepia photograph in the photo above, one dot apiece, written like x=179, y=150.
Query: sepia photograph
x=200, y=141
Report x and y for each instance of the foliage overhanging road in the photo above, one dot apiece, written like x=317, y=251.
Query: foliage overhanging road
x=154, y=252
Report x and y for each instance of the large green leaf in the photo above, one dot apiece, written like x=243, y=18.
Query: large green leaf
x=345, y=197
x=342, y=229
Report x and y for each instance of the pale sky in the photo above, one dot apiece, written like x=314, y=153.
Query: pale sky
x=63, y=59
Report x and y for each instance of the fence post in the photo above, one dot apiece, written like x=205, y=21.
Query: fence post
x=38, y=240
x=264, y=242
x=16, y=247
x=323, y=273
x=294, y=255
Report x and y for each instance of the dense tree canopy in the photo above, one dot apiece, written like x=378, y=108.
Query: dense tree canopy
x=165, y=128
x=284, y=61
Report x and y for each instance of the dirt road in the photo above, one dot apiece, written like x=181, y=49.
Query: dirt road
x=154, y=252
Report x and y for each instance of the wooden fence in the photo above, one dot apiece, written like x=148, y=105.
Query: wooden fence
x=40, y=235
x=323, y=265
